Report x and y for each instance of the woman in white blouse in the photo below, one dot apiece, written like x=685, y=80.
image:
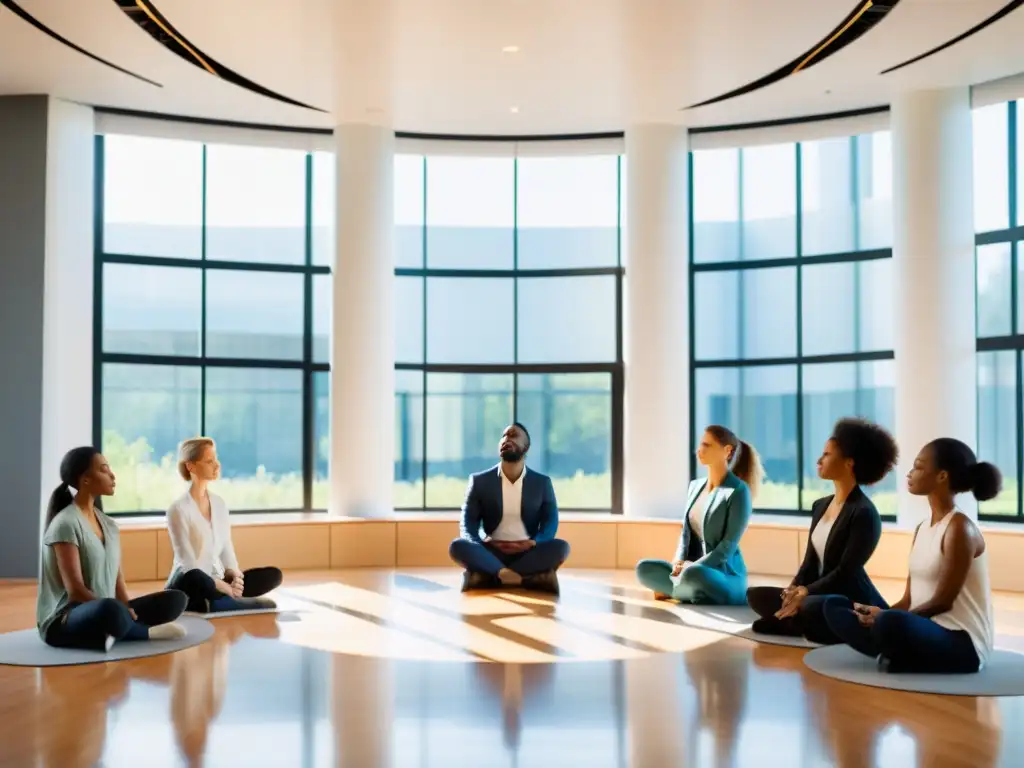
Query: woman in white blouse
x=205, y=567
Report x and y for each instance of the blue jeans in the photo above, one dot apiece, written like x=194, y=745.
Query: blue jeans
x=910, y=642
x=483, y=558
x=698, y=584
x=88, y=625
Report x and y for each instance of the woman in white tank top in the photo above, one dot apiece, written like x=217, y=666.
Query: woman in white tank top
x=943, y=623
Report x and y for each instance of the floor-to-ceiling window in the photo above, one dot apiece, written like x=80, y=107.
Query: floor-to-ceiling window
x=214, y=317
x=791, y=301
x=507, y=285
x=999, y=224
x=203, y=318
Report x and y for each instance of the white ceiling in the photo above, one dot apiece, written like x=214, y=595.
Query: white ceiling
x=437, y=66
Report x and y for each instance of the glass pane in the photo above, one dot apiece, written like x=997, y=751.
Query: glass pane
x=716, y=302
x=470, y=320
x=408, y=490
x=569, y=417
x=322, y=209
x=321, y=439
x=255, y=315
x=409, y=211
x=716, y=205
x=768, y=312
x=997, y=425
x=874, y=189
x=991, y=168
x=567, y=319
x=152, y=310
x=1020, y=162
x=255, y=204
x=832, y=391
x=993, y=281
x=470, y=212
x=255, y=415
x=152, y=197
x=322, y=315
x=847, y=307
x=758, y=403
x=147, y=411
x=466, y=414
x=827, y=205
x=567, y=212
x=769, y=202
x=409, y=319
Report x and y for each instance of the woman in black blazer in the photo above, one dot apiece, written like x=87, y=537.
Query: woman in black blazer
x=845, y=529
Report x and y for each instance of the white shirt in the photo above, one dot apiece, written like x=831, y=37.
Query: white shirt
x=819, y=538
x=972, y=609
x=511, y=527
x=697, y=513
x=197, y=543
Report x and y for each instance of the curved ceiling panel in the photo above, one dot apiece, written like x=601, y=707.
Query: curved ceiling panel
x=1006, y=10
x=24, y=15
x=857, y=23
x=148, y=18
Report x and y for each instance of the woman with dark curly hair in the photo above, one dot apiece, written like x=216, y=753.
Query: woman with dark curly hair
x=943, y=622
x=845, y=529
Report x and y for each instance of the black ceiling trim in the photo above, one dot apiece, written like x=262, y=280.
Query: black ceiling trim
x=857, y=23
x=1006, y=10
x=24, y=15
x=149, y=19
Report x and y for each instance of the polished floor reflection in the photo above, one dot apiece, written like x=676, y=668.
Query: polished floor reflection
x=376, y=668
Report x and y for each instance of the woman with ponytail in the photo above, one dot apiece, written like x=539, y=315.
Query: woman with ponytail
x=708, y=566
x=943, y=622
x=83, y=600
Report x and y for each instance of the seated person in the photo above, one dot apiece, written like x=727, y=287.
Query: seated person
x=708, y=566
x=943, y=623
x=519, y=515
x=205, y=567
x=83, y=601
x=845, y=529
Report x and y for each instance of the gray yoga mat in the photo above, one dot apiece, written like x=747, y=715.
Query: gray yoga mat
x=733, y=620
x=27, y=649
x=1003, y=675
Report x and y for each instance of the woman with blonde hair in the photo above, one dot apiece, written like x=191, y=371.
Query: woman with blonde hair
x=205, y=566
x=708, y=566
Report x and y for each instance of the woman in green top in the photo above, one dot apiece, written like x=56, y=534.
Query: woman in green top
x=83, y=601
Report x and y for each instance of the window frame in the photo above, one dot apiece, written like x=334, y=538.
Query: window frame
x=1013, y=235
x=799, y=359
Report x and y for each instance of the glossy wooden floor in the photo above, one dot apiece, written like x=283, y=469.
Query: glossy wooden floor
x=378, y=668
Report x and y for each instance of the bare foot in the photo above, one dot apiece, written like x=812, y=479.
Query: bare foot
x=509, y=578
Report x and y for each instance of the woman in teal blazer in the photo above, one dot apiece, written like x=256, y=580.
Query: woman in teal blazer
x=708, y=566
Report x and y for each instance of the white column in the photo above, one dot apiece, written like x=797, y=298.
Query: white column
x=362, y=345
x=656, y=301
x=933, y=267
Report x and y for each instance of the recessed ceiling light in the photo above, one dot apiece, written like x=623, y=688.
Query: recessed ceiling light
x=510, y=49
x=513, y=110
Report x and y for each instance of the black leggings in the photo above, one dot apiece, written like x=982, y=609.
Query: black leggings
x=910, y=643
x=809, y=621
x=202, y=590
x=88, y=625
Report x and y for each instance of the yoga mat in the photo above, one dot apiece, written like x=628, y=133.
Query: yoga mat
x=732, y=620
x=1003, y=675
x=285, y=605
x=27, y=649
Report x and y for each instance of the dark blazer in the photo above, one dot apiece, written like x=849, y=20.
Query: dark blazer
x=726, y=516
x=851, y=542
x=483, y=505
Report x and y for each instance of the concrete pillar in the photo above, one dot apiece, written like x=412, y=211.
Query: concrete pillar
x=933, y=265
x=46, y=302
x=656, y=313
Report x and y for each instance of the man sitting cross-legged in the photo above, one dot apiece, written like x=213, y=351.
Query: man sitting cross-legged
x=517, y=510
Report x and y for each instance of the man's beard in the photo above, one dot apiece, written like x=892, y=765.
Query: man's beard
x=511, y=456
